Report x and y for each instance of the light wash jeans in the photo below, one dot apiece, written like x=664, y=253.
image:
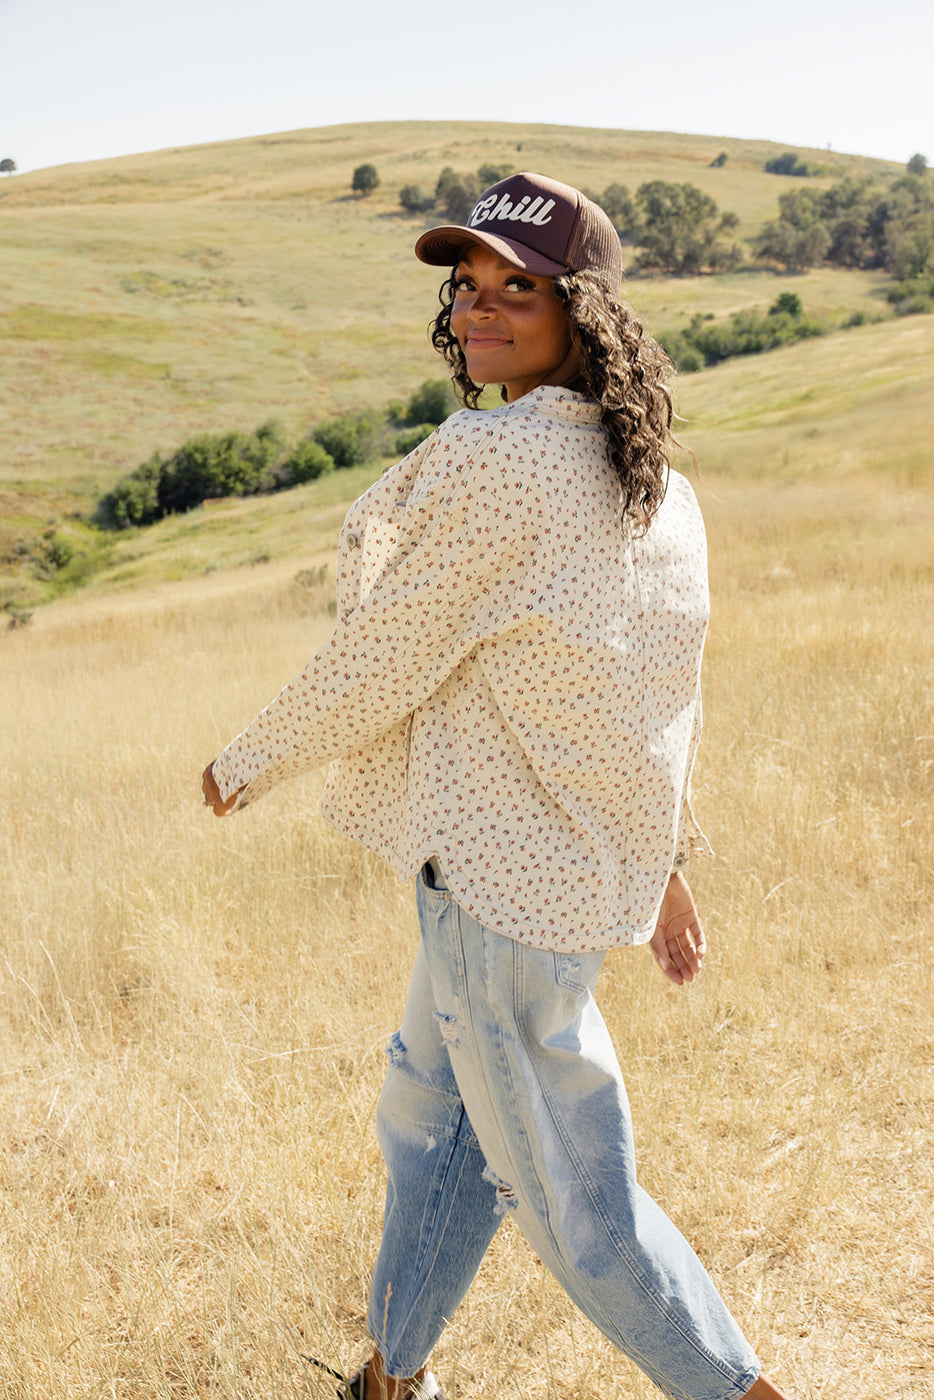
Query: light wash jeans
x=504, y=1093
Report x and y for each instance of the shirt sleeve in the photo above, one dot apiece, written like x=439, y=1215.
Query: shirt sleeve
x=691, y=841
x=464, y=574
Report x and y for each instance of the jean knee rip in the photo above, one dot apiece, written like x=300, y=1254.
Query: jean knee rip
x=395, y=1049
x=506, y=1198
x=447, y=1024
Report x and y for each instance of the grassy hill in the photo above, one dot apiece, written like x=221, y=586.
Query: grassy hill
x=151, y=297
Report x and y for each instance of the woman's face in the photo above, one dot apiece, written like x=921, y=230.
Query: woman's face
x=511, y=326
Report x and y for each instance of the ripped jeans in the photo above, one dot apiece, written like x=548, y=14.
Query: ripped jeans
x=503, y=1093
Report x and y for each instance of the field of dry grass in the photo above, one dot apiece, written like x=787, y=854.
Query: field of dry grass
x=193, y=1014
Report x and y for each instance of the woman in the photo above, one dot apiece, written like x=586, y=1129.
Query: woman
x=510, y=704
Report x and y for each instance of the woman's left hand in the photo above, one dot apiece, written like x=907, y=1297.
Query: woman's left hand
x=678, y=944
x=212, y=794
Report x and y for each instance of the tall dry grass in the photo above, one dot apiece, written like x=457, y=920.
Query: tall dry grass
x=193, y=1013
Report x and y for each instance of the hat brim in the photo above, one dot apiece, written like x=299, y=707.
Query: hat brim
x=443, y=247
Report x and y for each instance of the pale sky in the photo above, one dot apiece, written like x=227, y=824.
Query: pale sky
x=85, y=79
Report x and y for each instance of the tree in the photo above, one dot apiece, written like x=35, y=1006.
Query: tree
x=679, y=230
x=365, y=179
x=616, y=203
x=794, y=248
x=7, y=166
x=854, y=223
x=492, y=174
x=916, y=166
x=456, y=195
x=414, y=200
x=787, y=304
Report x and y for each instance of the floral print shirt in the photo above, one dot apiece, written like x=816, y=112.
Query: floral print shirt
x=513, y=683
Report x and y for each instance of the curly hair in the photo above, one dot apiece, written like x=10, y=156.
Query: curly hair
x=621, y=368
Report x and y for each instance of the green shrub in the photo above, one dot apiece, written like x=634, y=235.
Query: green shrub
x=432, y=402
x=788, y=304
x=306, y=462
x=917, y=305
x=708, y=342
x=352, y=438
x=414, y=200
x=55, y=551
x=681, y=353
x=408, y=441
x=135, y=499
x=205, y=467
x=492, y=174
x=789, y=164
x=914, y=296
x=211, y=465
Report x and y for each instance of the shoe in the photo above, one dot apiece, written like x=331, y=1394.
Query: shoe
x=425, y=1388
x=351, y=1388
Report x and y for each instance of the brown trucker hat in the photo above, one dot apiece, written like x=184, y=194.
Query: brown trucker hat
x=534, y=223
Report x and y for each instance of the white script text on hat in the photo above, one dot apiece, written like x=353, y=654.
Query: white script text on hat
x=483, y=211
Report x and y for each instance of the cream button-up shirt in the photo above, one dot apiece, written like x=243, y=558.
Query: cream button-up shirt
x=514, y=682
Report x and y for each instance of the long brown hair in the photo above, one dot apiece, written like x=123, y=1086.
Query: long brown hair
x=621, y=368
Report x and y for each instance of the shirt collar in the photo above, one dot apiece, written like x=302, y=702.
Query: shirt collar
x=556, y=402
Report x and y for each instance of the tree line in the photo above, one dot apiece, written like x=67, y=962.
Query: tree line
x=236, y=463
x=678, y=230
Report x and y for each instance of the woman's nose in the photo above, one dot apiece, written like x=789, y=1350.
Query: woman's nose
x=484, y=303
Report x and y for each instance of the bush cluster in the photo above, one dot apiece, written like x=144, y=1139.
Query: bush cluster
x=454, y=194
x=212, y=465
x=913, y=295
x=205, y=467
x=706, y=341
x=855, y=223
x=791, y=164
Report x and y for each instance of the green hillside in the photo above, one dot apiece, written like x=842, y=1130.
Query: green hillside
x=211, y=287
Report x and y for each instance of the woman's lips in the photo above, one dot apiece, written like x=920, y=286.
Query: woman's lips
x=487, y=342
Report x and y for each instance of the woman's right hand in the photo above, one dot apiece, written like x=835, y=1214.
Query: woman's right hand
x=212, y=794
x=678, y=944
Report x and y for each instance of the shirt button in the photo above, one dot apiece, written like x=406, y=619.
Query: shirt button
x=352, y=541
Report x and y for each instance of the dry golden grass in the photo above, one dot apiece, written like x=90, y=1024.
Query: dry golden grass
x=193, y=1014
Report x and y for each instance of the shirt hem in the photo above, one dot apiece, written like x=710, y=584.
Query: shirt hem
x=407, y=866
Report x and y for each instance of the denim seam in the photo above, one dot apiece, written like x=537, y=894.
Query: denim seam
x=502, y=1057
x=425, y=1252
x=618, y=1243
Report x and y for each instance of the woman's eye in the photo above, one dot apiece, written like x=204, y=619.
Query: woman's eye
x=462, y=284
x=521, y=284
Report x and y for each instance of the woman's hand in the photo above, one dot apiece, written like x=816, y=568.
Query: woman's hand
x=212, y=795
x=678, y=944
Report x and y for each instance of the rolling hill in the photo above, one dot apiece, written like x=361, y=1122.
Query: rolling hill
x=209, y=287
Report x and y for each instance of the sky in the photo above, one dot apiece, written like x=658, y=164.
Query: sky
x=99, y=78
